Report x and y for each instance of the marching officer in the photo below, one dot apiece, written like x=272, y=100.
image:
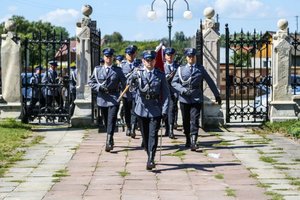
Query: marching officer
x=119, y=59
x=128, y=66
x=187, y=82
x=170, y=69
x=73, y=82
x=37, y=95
x=152, y=101
x=51, y=90
x=106, y=81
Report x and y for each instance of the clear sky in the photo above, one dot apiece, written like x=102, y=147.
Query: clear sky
x=129, y=17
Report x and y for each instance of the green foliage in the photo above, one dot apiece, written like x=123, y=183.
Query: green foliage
x=119, y=47
x=116, y=37
x=241, y=59
x=38, y=30
x=25, y=28
x=12, y=136
x=179, y=43
x=289, y=127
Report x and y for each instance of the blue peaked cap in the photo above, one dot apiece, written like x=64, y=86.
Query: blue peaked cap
x=131, y=49
x=108, y=51
x=38, y=68
x=169, y=50
x=190, y=52
x=53, y=63
x=119, y=57
x=149, y=54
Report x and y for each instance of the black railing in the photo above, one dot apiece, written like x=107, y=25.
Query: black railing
x=248, y=79
x=95, y=43
x=45, y=90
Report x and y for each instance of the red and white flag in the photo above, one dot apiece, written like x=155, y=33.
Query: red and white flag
x=160, y=57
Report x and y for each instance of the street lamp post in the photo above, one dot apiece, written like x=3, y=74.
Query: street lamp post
x=170, y=7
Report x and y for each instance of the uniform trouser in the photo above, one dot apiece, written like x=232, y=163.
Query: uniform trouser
x=130, y=116
x=190, y=117
x=133, y=115
x=127, y=106
x=33, y=102
x=72, y=103
x=110, y=118
x=57, y=98
x=171, y=111
x=149, y=128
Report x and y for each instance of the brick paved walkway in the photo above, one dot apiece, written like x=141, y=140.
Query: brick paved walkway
x=229, y=166
x=121, y=174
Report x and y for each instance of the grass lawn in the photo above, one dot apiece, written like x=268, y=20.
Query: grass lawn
x=13, y=137
x=290, y=128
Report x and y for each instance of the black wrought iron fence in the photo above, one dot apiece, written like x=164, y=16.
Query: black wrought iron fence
x=248, y=79
x=95, y=43
x=295, y=68
x=46, y=78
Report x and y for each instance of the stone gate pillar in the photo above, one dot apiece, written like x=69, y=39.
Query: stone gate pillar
x=282, y=107
x=83, y=111
x=212, y=115
x=10, y=72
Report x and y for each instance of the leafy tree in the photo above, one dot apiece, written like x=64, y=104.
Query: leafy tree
x=179, y=36
x=241, y=59
x=116, y=37
x=35, y=30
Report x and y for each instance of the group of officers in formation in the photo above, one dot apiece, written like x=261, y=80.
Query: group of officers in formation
x=50, y=90
x=150, y=95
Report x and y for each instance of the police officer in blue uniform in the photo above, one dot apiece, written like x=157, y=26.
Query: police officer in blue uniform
x=152, y=101
x=119, y=59
x=36, y=95
x=106, y=81
x=72, y=85
x=170, y=69
x=51, y=90
x=187, y=82
x=128, y=66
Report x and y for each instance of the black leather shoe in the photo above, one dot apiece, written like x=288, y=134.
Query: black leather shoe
x=188, y=143
x=108, y=148
x=132, y=134
x=109, y=143
x=194, y=146
x=128, y=132
x=150, y=165
x=171, y=133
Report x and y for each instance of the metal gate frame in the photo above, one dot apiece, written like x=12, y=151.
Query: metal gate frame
x=199, y=60
x=246, y=83
x=95, y=44
x=39, y=50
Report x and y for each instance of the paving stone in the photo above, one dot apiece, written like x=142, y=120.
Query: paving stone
x=96, y=174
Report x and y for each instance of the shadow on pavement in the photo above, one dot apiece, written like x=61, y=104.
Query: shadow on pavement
x=202, y=167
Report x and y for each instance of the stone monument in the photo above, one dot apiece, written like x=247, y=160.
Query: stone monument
x=282, y=107
x=212, y=115
x=83, y=111
x=10, y=72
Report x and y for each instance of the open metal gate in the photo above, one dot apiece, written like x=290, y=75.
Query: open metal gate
x=46, y=89
x=95, y=44
x=248, y=79
x=199, y=60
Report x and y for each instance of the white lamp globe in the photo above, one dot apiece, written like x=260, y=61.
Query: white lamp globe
x=187, y=14
x=151, y=15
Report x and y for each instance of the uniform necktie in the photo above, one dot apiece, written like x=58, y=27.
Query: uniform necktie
x=149, y=74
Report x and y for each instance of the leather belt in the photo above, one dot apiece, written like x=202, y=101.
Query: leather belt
x=150, y=96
